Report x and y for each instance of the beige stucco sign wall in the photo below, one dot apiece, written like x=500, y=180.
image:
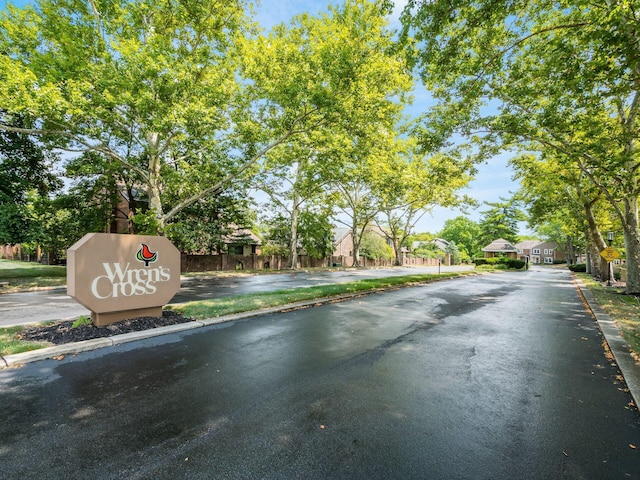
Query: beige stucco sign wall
x=122, y=276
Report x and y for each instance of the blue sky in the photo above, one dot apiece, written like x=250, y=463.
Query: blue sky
x=494, y=179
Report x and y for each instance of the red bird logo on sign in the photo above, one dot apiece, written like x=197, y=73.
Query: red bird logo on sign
x=146, y=255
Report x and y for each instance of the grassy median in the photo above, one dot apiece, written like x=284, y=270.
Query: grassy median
x=243, y=303
x=11, y=343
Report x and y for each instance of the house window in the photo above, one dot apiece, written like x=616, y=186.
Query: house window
x=546, y=251
x=237, y=250
x=548, y=260
x=536, y=251
x=254, y=249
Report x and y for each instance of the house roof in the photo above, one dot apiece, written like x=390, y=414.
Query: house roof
x=339, y=233
x=241, y=236
x=527, y=244
x=500, y=245
x=441, y=243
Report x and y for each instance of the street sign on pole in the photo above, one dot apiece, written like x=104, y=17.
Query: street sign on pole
x=610, y=254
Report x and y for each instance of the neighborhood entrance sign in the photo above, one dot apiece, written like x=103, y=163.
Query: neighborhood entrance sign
x=122, y=276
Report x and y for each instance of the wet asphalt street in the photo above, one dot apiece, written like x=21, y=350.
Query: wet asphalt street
x=495, y=377
x=52, y=305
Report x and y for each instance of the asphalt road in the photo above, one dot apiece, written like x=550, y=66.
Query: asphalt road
x=494, y=377
x=48, y=305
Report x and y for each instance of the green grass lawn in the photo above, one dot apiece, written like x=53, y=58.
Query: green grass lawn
x=29, y=275
x=623, y=309
x=243, y=303
x=10, y=342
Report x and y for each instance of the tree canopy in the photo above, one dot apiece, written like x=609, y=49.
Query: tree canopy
x=543, y=76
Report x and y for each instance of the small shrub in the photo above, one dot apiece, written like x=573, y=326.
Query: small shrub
x=578, y=267
x=81, y=322
x=515, y=263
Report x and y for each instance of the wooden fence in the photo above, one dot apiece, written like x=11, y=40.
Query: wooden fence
x=226, y=262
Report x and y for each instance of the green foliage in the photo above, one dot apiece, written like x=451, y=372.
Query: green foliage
x=500, y=262
x=204, y=226
x=500, y=221
x=578, y=267
x=524, y=58
x=466, y=235
x=270, y=248
x=427, y=250
x=25, y=177
x=82, y=321
x=373, y=246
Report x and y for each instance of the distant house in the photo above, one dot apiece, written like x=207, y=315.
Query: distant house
x=536, y=251
x=343, y=241
x=242, y=241
x=500, y=248
x=440, y=243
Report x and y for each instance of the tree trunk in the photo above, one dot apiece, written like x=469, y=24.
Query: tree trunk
x=356, y=239
x=595, y=244
x=632, y=244
x=293, y=242
x=397, y=251
x=153, y=190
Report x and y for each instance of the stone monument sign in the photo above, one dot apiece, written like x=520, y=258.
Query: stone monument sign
x=122, y=276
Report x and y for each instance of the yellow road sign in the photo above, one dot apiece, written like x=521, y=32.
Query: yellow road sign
x=610, y=254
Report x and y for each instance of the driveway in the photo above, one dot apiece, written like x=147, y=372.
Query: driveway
x=494, y=377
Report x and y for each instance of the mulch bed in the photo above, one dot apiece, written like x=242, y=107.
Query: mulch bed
x=63, y=332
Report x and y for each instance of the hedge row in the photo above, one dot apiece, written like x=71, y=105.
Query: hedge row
x=578, y=267
x=509, y=262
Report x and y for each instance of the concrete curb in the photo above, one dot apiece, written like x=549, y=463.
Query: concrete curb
x=20, y=359
x=617, y=344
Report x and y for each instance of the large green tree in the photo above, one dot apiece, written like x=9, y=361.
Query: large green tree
x=410, y=184
x=465, y=233
x=546, y=76
x=147, y=84
x=564, y=204
x=500, y=220
x=342, y=72
x=25, y=175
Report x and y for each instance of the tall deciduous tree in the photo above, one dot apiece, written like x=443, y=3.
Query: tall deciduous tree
x=562, y=76
x=295, y=179
x=466, y=235
x=340, y=70
x=557, y=195
x=148, y=84
x=410, y=184
x=25, y=173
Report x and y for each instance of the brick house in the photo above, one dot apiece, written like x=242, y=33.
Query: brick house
x=538, y=252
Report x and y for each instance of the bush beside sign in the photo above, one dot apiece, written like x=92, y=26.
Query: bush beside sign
x=122, y=276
